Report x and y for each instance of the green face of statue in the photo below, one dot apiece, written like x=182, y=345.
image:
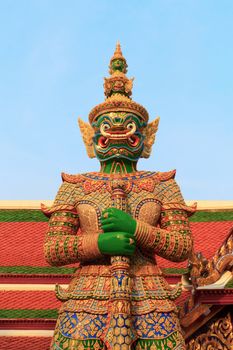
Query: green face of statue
x=118, y=135
x=118, y=64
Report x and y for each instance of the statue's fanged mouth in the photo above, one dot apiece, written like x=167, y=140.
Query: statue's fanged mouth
x=132, y=140
x=103, y=141
x=118, y=135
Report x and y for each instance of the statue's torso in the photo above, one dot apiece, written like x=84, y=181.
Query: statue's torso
x=90, y=288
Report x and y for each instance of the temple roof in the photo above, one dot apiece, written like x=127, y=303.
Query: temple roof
x=27, y=298
x=24, y=229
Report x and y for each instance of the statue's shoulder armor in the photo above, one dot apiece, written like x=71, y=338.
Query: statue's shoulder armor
x=72, y=179
x=165, y=176
x=67, y=194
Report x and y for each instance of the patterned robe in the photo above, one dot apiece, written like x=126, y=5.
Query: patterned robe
x=155, y=201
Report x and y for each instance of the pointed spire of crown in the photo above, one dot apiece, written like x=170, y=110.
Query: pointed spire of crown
x=118, y=49
x=118, y=83
x=118, y=62
x=118, y=90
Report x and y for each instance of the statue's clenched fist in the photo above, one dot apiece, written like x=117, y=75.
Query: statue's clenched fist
x=116, y=243
x=114, y=220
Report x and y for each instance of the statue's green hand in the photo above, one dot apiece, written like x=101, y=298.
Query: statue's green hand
x=116, y=243
x=114, y=220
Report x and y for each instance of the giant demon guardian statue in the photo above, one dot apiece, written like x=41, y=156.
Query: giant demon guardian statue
x=113, y=223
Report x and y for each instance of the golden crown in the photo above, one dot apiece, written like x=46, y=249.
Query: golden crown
x=118, y=89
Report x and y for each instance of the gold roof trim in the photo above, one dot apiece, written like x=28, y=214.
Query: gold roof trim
x=118, y=103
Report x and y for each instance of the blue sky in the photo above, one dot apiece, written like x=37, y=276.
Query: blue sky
x=53, y=57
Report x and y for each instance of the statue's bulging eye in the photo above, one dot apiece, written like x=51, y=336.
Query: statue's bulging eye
x=105, y=127
x=131, y=125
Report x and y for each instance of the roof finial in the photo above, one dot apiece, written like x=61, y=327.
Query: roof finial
x=118, y=62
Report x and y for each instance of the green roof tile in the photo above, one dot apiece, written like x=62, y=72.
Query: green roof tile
x=37, y=270
x=26, y=313
x=35, y=215
x=22, y=215
x=207, y=216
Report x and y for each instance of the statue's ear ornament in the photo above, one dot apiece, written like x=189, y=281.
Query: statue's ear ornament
x=150, y=133
x=87, y=133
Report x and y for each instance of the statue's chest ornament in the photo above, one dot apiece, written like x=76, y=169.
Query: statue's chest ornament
x=96, y=182
x=141, y=180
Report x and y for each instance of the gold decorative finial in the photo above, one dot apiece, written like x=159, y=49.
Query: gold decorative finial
x=118, y=52
x=118, y=62
x=118, y=90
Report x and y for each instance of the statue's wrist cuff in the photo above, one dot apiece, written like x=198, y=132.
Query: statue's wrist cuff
x=142, y=233
x=89, y=249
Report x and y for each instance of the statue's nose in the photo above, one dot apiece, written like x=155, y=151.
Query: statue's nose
x=117, y=128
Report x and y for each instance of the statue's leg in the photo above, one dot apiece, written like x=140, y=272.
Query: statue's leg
x=158, y=331
x=173, y=342
x=78, y=331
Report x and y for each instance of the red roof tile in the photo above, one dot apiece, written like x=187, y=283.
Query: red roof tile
x=22, y=242
x=28, y=300
x=22, y=343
